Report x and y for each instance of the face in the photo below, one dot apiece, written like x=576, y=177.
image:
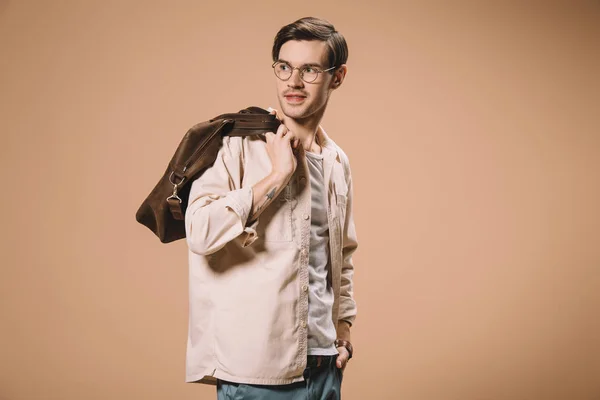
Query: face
x=297, y=99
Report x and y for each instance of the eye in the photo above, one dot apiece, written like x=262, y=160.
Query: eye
x=310, y=70
x=283, y=67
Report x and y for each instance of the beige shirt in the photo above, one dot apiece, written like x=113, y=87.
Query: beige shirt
x=249, y=283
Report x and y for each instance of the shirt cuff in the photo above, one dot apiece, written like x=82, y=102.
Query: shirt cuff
x=240, y=201
x=347, y=310
x=249, y=235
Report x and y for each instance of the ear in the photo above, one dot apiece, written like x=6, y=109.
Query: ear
x=338, y=76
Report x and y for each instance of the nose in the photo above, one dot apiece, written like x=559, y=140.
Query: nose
x=295, y=81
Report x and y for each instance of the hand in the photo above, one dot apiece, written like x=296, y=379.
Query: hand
x=279, y=148
x=279, y=116
x=342, y=359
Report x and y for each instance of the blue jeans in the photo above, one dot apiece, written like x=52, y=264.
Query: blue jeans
x=322, y=381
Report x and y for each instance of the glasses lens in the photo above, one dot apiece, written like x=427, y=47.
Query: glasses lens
x=283, y=71
x=309, y=74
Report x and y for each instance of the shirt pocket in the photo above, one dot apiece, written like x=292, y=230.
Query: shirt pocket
x=275, y=222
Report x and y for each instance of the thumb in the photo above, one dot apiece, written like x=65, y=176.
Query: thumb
x=339, y=363
x=275, y=112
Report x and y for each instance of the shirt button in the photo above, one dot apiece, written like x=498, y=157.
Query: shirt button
x=302, y=180
x=303, y=324
x=306, y=216
x=304, y=288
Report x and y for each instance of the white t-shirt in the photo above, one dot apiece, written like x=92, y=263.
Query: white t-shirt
x=321, y=330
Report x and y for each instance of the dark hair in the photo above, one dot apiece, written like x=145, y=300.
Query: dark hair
x=311, y=28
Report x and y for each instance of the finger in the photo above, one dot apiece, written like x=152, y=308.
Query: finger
x=275, y=112
x=291, y=137
x=269, y=137
x=282, y=130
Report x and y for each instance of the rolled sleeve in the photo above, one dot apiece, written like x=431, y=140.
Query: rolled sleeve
x=218, y=206
x=240, y=201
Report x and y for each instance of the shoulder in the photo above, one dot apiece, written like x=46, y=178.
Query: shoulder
x=342, y=156
x=241, y=143
x=244, y=147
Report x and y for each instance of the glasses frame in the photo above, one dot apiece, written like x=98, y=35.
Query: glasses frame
x=300, y=69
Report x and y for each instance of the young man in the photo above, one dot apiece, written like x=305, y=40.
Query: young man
x=271, y=236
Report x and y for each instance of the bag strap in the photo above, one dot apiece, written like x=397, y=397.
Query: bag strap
x=249, y=121
x=249, y=128
x=243, y=124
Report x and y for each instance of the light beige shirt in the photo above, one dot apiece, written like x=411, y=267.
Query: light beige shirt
x=249, y=283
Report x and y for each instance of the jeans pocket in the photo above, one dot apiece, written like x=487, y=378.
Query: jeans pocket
x=338, y=372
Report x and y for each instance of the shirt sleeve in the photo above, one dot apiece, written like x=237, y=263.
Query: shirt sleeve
x=218, y=207
x=348, y=307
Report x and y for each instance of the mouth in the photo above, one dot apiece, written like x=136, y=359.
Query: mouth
x=294, y=98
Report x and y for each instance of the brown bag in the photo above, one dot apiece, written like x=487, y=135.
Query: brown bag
x=163, y=211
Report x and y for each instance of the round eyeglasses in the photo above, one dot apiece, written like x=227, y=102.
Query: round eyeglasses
x=308, y=73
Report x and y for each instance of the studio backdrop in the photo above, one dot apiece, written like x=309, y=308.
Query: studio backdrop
x=473, y=133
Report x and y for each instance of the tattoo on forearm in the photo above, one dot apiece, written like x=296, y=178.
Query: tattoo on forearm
x=269, y=196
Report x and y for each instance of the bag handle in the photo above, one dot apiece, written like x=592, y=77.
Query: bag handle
x=248, y=128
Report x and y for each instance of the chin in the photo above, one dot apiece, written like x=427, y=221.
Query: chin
x=295, y=112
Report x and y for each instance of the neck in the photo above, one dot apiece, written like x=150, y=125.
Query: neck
x=305, y=129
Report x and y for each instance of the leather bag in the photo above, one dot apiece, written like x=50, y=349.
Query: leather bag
x=163, y=211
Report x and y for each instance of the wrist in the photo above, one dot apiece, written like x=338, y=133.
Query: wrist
x=346, y=344
x=279, y=178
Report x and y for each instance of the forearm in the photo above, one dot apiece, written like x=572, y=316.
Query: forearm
x=263, y=193
x=343, y=331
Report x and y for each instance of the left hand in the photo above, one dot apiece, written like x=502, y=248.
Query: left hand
x=342, y=359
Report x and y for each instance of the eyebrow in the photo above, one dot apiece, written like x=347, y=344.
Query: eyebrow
x=303, y=65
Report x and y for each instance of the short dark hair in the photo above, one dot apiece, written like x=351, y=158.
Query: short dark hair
x=312, y=28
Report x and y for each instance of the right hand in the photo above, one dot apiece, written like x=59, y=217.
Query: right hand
x=279, y=148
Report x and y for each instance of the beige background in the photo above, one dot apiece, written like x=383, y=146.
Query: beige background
x=474, y=136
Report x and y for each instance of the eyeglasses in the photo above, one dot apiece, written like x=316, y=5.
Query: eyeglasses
x=308, y=73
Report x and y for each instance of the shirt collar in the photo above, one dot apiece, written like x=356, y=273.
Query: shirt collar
x=327, y=144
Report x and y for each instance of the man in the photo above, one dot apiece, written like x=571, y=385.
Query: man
x=271, y=235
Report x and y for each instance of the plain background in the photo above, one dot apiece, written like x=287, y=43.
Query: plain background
x=474, y=137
